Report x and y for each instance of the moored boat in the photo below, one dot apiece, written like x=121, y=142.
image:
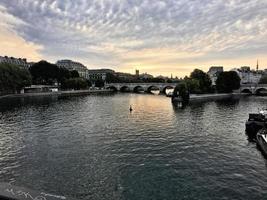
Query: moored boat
x=256, y=122
x=262, y=140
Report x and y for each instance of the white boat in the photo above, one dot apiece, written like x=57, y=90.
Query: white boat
x=262, y=140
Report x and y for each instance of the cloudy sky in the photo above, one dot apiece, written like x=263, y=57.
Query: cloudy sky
x=155, y=36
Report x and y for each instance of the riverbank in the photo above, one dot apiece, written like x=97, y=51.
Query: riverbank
x=57, y=94
x=206, y=97
x=212, y=97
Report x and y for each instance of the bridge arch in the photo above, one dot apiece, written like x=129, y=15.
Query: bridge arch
x=165, y=88
x=150, y=88
x=261, y=90
x=138, y=88
x=112, y=87
x=125, y=89
x=246, y=90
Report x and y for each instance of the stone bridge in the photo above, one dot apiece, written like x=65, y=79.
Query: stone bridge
x=253, y=88
x=136, y=87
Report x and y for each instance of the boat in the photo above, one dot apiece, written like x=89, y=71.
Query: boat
x=256, y=122
x=262, y=140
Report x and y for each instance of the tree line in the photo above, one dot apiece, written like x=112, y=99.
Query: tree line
x=112, y=78
x=45, y=73
x=199, y=82
x=13, y=78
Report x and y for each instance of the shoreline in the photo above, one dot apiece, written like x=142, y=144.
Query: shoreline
x=215, y=96
x=57, y=94
x=212, y=97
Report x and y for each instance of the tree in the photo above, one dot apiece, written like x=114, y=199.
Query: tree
x=263, y=80
x=99, y=83
x=203, y=79
x=63, y=74
x=181, y=90
x=193, y=85
x=44, y=72
x=75, y=83
x=227, y=82
x=89, y=83
x=13, y=78
x=74, y=74
x=111, y=78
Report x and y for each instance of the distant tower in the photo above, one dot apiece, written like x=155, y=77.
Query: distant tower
x=257, y=65
x=137, y=73
x=171, y=76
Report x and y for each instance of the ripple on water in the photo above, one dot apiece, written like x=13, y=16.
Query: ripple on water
x=93, y=148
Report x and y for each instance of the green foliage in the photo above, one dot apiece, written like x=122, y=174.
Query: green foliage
x=89, y=83
x=181, y=90
x=75, y=83
x=227, y=82
x=111, y=78
x=263, y=79
x=44, y=72
x=63, y=74
x=99, y=83
x=13, y=78
x=203, y=79
x=193, y=85
x=74, y=74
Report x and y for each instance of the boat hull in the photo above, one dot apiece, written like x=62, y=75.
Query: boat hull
x=253, y=127
x=261, y=142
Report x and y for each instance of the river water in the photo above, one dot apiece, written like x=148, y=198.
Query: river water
x=92, y=147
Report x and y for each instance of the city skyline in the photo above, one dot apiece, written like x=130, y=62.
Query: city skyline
x=157, y=37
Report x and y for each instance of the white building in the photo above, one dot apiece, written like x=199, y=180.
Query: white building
x=22, y=62
x=248, y=76
x=72, y=65
x=214, y=72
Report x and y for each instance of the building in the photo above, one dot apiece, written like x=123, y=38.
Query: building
x=22, y=62
x=125, y=77
x=247, y=75
x=165, y=78
x=214, y=72
x=145, y=76
x=137, y=73
x=99, y=74
x=72, y=65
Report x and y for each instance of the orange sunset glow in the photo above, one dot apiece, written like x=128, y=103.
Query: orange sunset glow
x=157, y=37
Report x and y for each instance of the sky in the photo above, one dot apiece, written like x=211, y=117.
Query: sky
x=155, y=36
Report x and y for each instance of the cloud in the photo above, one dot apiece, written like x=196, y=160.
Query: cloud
x=11, y=42
x=122, y=33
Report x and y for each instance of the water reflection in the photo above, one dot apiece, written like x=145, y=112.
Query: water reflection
x=92, y=147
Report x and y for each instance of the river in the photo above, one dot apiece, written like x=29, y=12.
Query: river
x=92, y=147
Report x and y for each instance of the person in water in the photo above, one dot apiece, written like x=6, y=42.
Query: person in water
x=131, y=109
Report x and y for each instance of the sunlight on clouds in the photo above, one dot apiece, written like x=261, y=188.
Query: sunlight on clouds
x=11, y=43
x=161, y=36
